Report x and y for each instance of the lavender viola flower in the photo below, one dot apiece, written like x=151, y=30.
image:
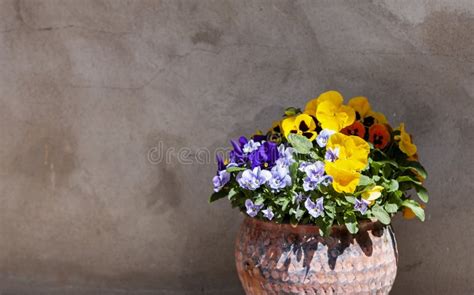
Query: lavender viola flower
x=315, y=209
x=300, y=197
x=315, y=170
x=280, y=178
x=332, y=154
x=265, y=156
x=253, y=179
x=310, y=184
x=285, y=155
x=250, y=146
x=314, y=175
x=325, y=180
x=323, y=137
x=303, y=166
x=252, y=209
x=268, y=213
x=220, y=180
x=361, y=206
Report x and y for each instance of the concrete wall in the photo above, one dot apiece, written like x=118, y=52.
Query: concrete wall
x=87, y=88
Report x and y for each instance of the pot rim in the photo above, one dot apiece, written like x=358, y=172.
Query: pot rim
x=364, y=225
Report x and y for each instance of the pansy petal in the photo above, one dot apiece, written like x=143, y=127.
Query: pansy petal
x=311, y=107
x=349, y=115
x=345, y=179
x=361, y=105
x=288, y=125
x=332, y=96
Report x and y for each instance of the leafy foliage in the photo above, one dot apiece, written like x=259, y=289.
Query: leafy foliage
x=270, y=173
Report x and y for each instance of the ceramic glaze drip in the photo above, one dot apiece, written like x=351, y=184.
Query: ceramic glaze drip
x=280, y=259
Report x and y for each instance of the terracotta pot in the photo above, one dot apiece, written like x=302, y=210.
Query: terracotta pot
x=280, y=259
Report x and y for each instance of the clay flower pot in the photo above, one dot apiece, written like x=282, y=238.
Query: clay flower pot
x=280, y=259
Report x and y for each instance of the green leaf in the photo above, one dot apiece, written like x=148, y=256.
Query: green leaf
x=389, y=162
x=386, y=171
x=293, y=170
x=415, y=207
x=350, y=221
x=297, y=213
x=330, y=209
x=391, y=207
x=314, y=155
x=406, y=178
x=381, y=214
x=259, y=199
x=416, y=166
x=324, y=226
x=365, y=180
x=283, y=202
x=218, y=195
x=350, y=199
x=301, y=144
x=422, y=193
x=233, y=192
x=234, y=169
x=291, y=111
x=392, y=186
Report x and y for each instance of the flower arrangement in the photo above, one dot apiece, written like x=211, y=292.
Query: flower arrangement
x=332, y=163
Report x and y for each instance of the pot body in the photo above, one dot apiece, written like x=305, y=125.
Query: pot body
x=280, y=259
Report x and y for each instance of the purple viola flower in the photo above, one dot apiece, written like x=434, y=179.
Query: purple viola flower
x=300, y=197
x=285, y=155
x=237, y=155
x=220, y=180
x=361, y=206
x=265, y=156
x=268, y=213
x=253, y=179
x=280, y=178
x=332, y=154
x=259, y=137
x=323, y=137
x=315, y=209
x=252, y=209
x=220, y=163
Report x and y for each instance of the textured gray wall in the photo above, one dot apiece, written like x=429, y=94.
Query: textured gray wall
x=87, y=88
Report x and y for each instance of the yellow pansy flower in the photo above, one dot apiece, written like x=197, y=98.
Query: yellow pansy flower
x=363, y=110
x=373, y=193
x=344, y=178
x=302, y=124
x=312, y=105
x=379, y=117
x=361, y=105
x=349, y=155
x=332, y=114
x=351, y=148
x=404, y=141
x=276, y=127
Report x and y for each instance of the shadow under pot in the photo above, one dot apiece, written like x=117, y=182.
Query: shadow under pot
x=281, y=259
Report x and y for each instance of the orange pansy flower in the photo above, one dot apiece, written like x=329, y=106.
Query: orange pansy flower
x=357, y=129
x=379, y=135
